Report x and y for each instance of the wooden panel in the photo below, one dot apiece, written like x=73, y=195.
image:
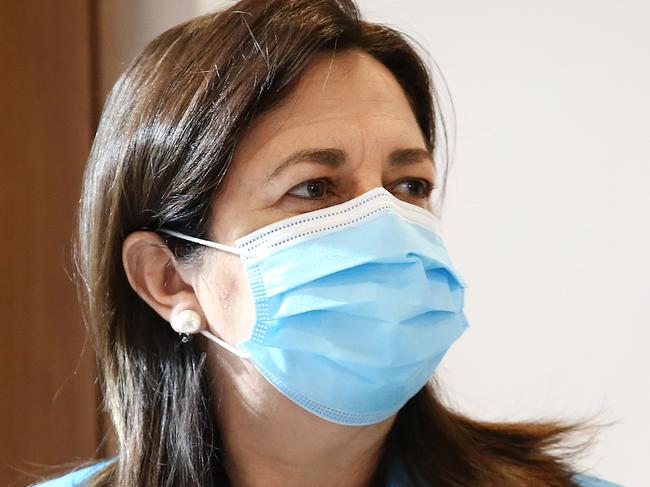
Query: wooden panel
x=48, y=410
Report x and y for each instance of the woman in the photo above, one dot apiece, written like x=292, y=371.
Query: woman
x=263, y=277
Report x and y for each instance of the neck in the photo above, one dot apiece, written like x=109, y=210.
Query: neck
x=271, y=441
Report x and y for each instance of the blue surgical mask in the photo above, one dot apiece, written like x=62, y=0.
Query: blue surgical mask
x=355, y=305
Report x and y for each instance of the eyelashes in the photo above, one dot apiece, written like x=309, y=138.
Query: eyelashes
x=311, y=189
x=423, y=187
x=320, y=188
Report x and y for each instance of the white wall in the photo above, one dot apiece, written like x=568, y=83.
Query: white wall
x=547, y=211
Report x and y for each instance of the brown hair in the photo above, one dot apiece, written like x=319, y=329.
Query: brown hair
x=163, y=146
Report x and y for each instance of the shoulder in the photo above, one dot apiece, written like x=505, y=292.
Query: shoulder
x=589, y=481
x=75, y=477
x=399, y=478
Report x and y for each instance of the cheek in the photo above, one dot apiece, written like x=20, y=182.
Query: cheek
x=225, y=298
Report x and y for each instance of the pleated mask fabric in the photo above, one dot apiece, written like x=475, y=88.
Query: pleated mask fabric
x=355, y=304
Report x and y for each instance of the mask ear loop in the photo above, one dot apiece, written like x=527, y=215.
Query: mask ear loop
x=226, y=345
x=209, y=243
x=225, y=248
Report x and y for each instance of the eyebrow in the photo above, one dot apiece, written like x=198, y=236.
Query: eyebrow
x=336, y=158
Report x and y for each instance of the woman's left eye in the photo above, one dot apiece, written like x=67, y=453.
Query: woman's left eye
x=418, y=188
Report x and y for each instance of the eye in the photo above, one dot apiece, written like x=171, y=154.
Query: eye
x=418, y=188
x=312, y=189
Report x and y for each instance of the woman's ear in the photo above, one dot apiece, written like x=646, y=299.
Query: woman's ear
x=156, y=276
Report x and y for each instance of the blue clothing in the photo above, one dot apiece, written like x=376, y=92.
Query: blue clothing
x=590, y=481
x=398, y=478
x=76, y=477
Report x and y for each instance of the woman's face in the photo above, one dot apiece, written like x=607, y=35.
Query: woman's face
x=352, y=109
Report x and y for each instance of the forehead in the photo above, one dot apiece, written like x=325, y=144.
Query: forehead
x=336, y=93
x=345, y=82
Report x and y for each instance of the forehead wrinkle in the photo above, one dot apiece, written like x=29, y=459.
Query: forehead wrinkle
x=286, y=118
x=275, y=143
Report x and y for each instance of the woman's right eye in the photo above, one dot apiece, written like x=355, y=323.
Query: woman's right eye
x=312, y=189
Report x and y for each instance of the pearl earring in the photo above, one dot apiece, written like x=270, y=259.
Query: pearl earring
x=186, y=323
